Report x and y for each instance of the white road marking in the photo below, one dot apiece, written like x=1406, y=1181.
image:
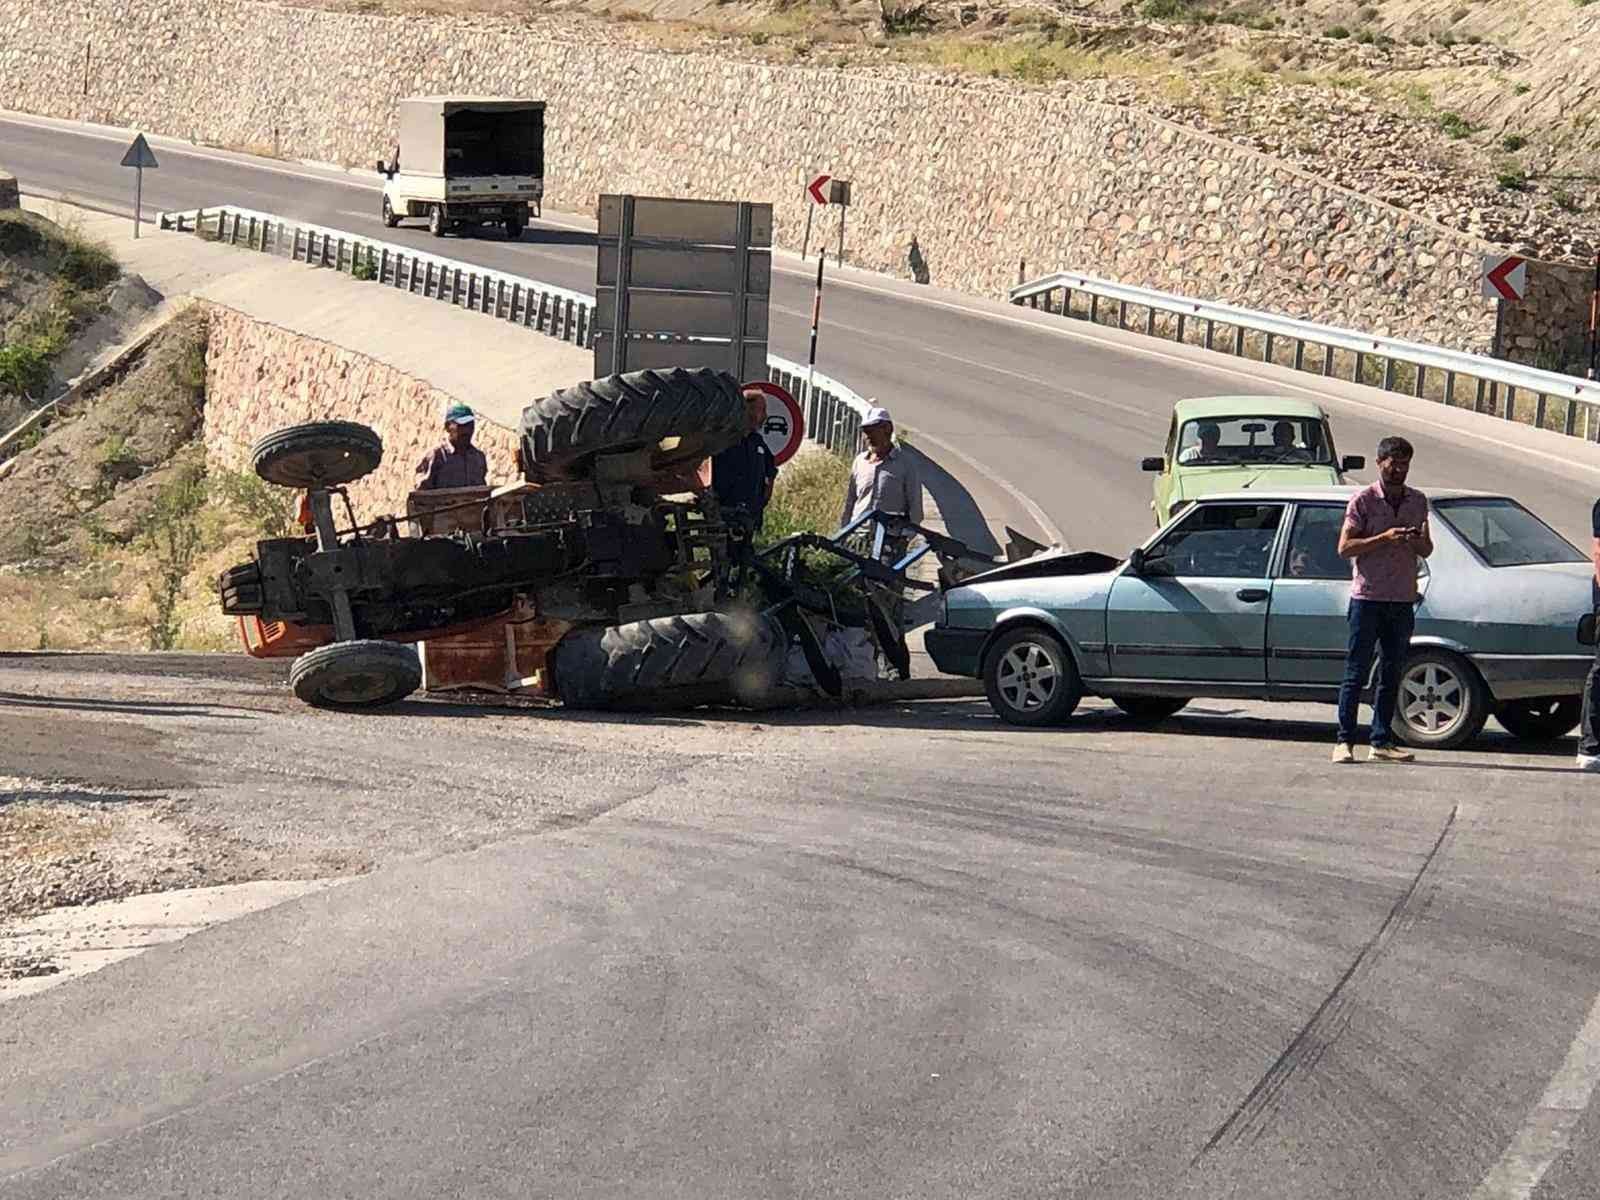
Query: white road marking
x=1045, y=523
x=1544, y=1135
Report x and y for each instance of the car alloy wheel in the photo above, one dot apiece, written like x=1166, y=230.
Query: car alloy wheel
x=1432, y=699
x=1442, y=702
x=1027, y=676
x=1030, y=677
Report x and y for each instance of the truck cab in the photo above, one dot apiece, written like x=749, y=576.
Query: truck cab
x=465, y=162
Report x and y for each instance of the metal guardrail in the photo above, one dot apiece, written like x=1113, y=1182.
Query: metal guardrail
x=833, y=411
x=1497, y=386
x=550, y=310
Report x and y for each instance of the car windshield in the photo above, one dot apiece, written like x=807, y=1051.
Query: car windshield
x=1504, y=534
x=1253, y=441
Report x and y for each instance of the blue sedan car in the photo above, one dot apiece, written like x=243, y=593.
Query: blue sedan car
x=1242, y=595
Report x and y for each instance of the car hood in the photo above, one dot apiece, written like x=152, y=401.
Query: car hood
x=1194, y=482
x=1049, y=563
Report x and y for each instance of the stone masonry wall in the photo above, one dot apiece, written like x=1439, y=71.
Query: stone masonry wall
x=1550, y=327
x=260, y=378
x=980, y=175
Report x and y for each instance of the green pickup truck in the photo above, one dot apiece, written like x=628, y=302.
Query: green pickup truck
x=1225, y=443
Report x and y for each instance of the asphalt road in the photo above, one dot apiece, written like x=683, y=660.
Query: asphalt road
x=905, y=953
x=1060, y=412
x=908, y=952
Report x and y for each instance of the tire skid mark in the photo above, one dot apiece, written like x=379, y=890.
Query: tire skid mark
x=1251, y=1118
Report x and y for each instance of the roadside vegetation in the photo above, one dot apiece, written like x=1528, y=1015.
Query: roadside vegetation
x=807, y=496
x=113, y=530
x=53, y=283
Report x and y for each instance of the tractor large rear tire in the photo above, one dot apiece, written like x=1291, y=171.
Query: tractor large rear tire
x=670, y=662
x=350, y=676
x=318, y=454
x=562, y=433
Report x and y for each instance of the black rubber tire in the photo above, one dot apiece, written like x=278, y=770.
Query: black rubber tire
x=390, y=220
x=1464, y=691
x=514, y=229
x=1063, y=694
x=670, y=662
x=348, y=676
x=562, y=433
x=1150, y=708
x=436, y=221
x=1547, y=719
x=317, y=454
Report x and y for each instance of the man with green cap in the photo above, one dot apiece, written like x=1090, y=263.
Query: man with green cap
x=457, y=463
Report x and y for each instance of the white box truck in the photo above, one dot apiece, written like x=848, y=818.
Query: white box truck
x=464, y=162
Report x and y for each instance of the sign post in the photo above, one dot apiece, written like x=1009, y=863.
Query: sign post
x=139, y=156
x=1505, y=278
x=839, y=193
x=1594, y=320
x=682, y=283
x=814, y=190
x=811, y=361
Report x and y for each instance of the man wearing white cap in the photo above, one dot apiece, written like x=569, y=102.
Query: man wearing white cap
x=883, y=476
x=457, y=463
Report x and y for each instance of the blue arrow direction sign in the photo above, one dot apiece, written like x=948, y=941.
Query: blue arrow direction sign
x=140, y=157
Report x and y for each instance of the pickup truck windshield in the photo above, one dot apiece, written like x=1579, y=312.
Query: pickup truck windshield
x=1253, y=441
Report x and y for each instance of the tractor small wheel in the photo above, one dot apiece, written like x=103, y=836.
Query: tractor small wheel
x=346, y=676
x=319, y=454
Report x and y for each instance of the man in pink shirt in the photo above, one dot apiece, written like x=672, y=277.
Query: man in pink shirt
x=1385, y=532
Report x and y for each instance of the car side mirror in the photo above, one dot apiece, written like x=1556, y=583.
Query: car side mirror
x=1152, y=464
x=1136, y=562
x=1353, y=462
x=1587, y=633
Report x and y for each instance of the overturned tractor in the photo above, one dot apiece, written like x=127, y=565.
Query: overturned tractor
x=609, y=575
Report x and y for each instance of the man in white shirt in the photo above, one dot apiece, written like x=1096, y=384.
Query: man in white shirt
x=883, y=476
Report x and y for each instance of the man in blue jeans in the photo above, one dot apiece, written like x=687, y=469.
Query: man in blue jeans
x=1385, y=531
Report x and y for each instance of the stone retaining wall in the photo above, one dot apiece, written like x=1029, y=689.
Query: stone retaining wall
x=978, y=176
x=260, y=378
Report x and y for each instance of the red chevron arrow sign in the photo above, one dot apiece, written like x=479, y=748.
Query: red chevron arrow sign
x=816, y=188
x=1505, y=277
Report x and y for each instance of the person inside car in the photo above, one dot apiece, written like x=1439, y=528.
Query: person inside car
x=1207, y=450
x=1283, y=447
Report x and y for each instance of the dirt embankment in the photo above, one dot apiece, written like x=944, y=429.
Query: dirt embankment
x=112, y=529
x=63, y=299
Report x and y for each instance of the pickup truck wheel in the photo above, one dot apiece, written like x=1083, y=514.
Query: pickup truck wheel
x=563, y=433
x=355, y=675
x=1442, y=703
x=1544, y=720
x=1150, y=708
x=317, y=454
x=389, y=219
x=670, y=662
x=436, y=222
x=1030, y=678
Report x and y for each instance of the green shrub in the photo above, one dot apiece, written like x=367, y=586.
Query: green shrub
x=1512, y=142
x=1454, y=125
x=1338, y=31
x=1512, y=179
x=24, y=369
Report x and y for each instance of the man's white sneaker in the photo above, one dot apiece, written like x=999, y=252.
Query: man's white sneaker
x=1589, y=762
x=1343, y=754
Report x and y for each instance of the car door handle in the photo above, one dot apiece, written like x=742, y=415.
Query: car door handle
x=1252, y=595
